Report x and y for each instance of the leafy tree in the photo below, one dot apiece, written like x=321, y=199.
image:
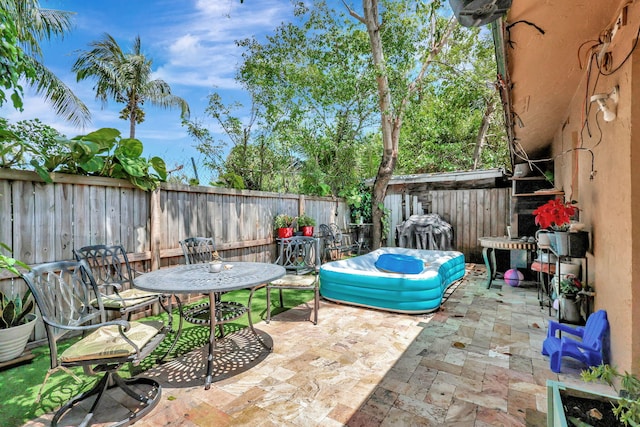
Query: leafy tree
x=242, y=166
x=14, y=61
x=442, y=134
x=312, y=81
x=30, y=25
x=413, y=42
x=28, y=141
x=105, y=153
x=126, y=78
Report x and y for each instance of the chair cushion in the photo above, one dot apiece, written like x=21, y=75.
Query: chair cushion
x=106, y=342
x=295, y=280
x=398, y=263
x=130, y=297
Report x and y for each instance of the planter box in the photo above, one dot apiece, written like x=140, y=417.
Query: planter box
x=574, y=244
x=557, y=390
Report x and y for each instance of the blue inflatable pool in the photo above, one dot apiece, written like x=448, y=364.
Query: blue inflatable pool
x=371, y=281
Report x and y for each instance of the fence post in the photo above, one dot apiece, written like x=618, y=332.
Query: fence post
x=154, y=231
x=301, y=205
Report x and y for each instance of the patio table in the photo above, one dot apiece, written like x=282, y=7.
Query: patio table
x=196, y=279
x=490, y=244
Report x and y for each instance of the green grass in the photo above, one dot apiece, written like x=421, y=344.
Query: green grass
x=19, y=385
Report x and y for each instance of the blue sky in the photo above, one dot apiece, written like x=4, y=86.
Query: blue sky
x=191, y=43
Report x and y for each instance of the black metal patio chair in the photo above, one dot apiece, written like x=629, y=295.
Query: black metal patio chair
x=300, y=256
x=70, y=302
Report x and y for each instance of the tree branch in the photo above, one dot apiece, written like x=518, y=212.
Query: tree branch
x=353, y=13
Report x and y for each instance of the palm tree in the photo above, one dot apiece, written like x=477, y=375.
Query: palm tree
x=126, y=78
x=34, y=24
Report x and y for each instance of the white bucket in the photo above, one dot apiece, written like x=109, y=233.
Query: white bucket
x=568, y=268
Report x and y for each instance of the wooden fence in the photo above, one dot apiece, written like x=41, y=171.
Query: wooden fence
x=472, y=213
x=44, y=222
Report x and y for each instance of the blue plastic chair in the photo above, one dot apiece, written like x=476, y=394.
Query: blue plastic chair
x=589, y=350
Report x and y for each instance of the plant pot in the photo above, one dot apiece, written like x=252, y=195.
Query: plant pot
x=285, y=233
x=307, y=230
x=552, y=241
x=569, y=309
x=13, y=340
x=568, y=268
x=543, y=238
x=558, y=392
x=574, y=244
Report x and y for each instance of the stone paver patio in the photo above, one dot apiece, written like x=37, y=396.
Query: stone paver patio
x=476, y=362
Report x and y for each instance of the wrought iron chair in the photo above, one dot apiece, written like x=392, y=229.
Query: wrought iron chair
x=113, y=273
x=64, y=292
x=333, y=242
x=300, y=256
x=198, y=250
x=591, y=349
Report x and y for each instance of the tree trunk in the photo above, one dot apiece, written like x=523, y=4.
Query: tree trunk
x=391, y=120
x=482, y=133
x=132, y=125
x=390, y=147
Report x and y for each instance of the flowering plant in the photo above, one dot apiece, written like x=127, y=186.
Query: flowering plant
x=570, y=285
x=555, y=214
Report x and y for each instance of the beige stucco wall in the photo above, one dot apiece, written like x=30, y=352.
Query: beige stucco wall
x=609, y=196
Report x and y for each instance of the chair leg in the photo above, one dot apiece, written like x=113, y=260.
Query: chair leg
x=51, y=371
x=110, y=380
x=316, y=306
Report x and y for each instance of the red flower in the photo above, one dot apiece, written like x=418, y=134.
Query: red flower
x=555, y=213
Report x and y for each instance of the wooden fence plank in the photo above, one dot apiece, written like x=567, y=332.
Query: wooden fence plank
x=63, y=219
x=24, y=244
x=127, y=220
x=6, y=224
x=81, y=218
x=97, y=218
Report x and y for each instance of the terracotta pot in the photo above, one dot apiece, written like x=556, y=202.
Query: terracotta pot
x=285, y=233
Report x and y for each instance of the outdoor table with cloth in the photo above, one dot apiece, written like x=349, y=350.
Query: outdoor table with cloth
x=490, y=244
x=196, y=279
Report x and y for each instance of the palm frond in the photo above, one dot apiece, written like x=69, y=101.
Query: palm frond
x=64, y=102
x=35, y=24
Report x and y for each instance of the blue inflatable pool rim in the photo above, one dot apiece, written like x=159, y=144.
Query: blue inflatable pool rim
x=398, y=263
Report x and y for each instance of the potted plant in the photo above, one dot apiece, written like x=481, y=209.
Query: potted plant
x=626, y=407
x=556, y=215
x=283, y=223
x=569, y=304
x=306, y=224
x=572, y=405
x=17, y=317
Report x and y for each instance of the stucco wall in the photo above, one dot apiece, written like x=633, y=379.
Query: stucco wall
x=608, y=195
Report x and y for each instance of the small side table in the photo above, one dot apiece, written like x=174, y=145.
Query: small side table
x=360, y=239
x=490, y=244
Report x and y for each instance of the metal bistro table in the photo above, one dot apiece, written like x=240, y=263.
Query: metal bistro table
x=196, y=279
x=490, y=244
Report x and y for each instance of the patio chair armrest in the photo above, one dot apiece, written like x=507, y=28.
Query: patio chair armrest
x=117, y=287
x=120, y=322
x=137, y=273
x=557, y=326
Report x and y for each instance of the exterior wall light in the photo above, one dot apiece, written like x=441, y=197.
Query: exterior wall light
x=603, y=100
